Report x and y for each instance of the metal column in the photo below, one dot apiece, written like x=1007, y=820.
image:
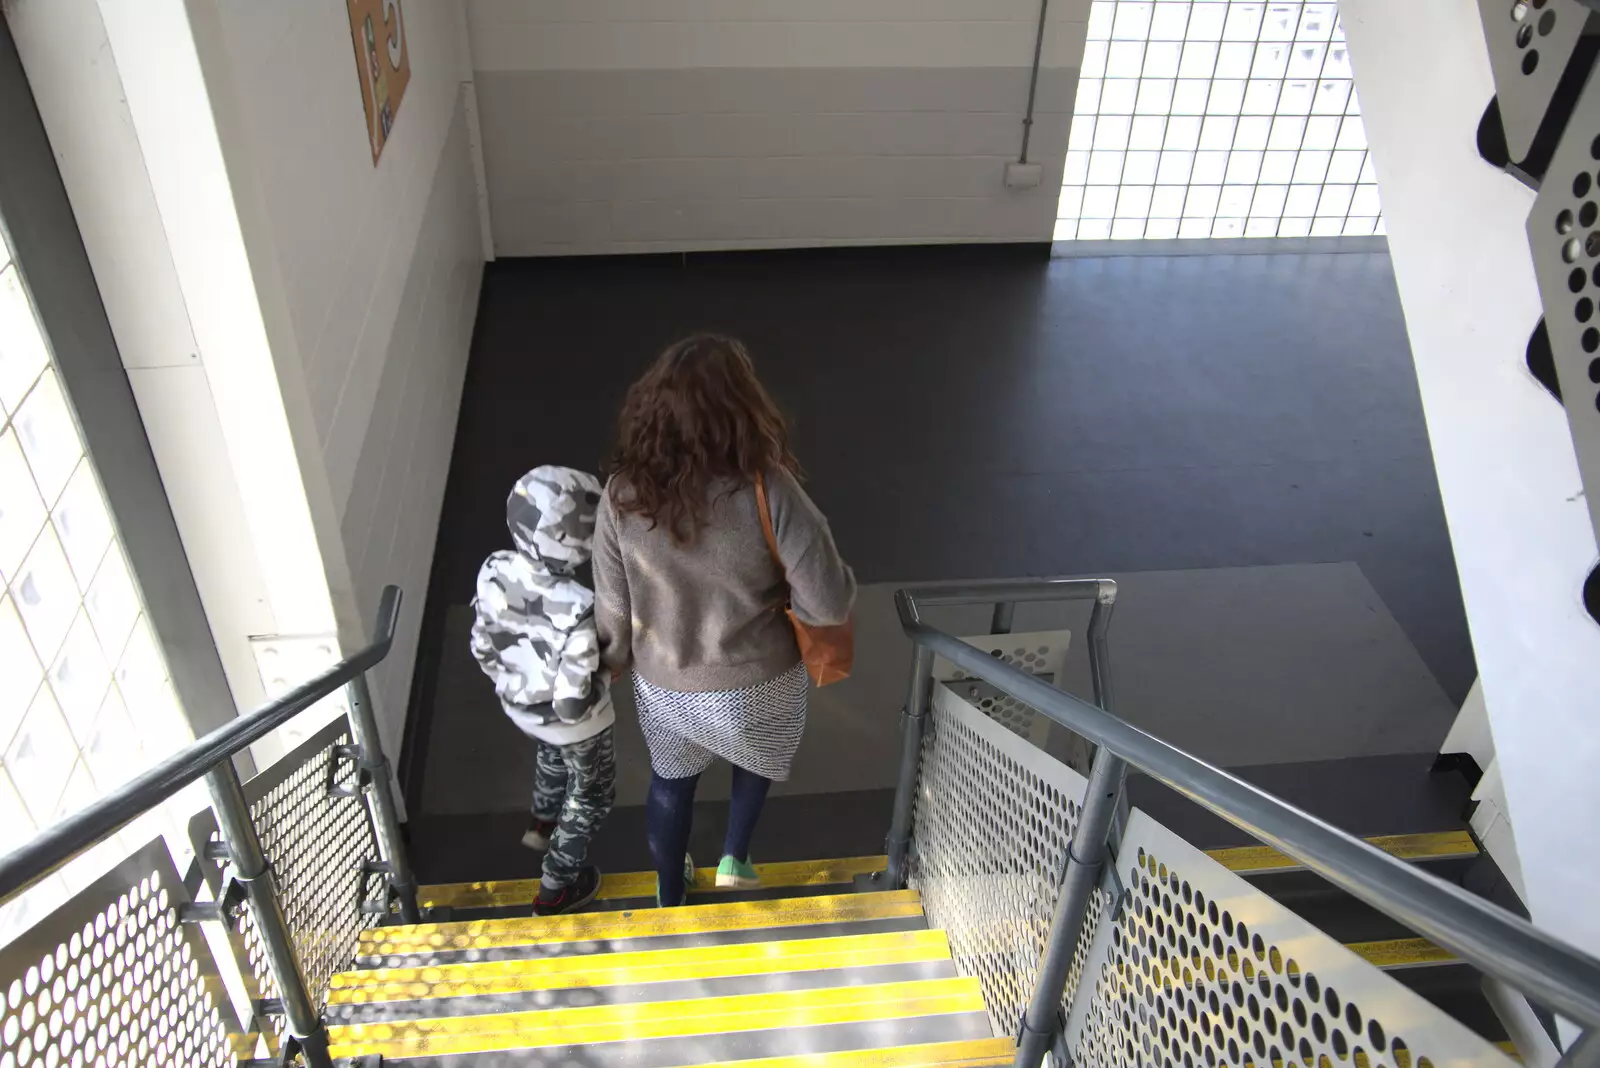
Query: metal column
x=374, y=766
x=913, y=721
x=249, y=868
x=1086, y=856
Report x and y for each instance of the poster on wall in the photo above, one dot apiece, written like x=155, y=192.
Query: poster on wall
x=383, y=63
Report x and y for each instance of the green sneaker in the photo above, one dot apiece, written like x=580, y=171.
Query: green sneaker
x=737, y=874
x=688, y=882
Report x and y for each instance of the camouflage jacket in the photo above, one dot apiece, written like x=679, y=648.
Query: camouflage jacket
x=533, y=630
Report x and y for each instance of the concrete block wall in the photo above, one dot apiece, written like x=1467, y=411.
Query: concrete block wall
x=618, y=126
x=380, y=268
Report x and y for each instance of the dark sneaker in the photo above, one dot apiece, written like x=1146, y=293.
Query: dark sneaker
x=569, y=898
x=537, y=836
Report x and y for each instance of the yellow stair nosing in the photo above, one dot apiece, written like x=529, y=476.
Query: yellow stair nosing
x=628, y=885
x=967, y=1053
x=1401, y=953
x=376, y=985
x=1433, y=845
x=636, y=1021
x=638, y=923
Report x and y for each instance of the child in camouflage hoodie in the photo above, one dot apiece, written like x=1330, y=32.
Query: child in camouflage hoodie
x=533, y=633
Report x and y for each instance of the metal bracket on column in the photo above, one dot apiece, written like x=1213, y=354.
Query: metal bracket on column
x=1117, y=899
x=288, y=1057
x=225, y=910
x=338, y=785
x=381, y=903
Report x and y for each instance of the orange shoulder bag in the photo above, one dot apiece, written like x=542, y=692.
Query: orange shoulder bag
x=828, y=652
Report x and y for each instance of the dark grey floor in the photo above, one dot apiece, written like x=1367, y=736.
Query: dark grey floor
x=964, y=414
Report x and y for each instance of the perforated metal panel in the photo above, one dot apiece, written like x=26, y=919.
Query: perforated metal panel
x=317, y=843
x=1530, y=42
x=111, y=979
x=1042, y=653
x=1200, y=967
x=1564, y=233
x=993, y=818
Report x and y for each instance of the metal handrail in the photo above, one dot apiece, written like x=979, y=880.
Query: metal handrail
x=1561, y=977
x=56, y=846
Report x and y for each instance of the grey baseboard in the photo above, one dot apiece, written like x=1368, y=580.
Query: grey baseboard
x=1219, y=246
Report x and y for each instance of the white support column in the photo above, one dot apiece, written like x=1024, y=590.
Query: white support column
x=1507, y=470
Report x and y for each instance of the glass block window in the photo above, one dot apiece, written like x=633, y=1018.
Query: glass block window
x=85, y=699
x=1216, y=118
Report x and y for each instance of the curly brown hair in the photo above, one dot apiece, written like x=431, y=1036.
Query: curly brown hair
x=697, y=416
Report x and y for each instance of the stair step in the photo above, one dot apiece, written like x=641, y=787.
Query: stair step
x=1395, y=953
x=1437, y=845
x=783, y=1018
x=640, y=886
x=609, y=932
x=977, y=1053
x=379, y=994
x=629, y=886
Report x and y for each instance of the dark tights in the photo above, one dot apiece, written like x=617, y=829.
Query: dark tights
x=669, y=814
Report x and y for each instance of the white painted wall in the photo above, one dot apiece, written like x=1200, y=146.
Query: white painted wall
x=295, y=320
x=1507, y=470
x=379, y=268
x=616, y=126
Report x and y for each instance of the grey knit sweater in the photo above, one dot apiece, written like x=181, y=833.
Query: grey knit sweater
x=709, y=615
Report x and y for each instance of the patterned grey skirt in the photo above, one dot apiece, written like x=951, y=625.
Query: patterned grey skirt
x=757, y=728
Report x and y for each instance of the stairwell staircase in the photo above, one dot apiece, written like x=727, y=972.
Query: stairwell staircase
x=816, y=969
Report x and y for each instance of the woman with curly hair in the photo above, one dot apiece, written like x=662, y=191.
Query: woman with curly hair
x=691, y=599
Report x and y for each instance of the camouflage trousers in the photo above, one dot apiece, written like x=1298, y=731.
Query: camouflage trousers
x=574, y=788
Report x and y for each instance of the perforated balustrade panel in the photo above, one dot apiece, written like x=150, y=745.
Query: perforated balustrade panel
x=1564, y=234
x=1530, y=43
x=989, y=844
x=317, y=844
x=1042, y=653
x=112, y=979
x=1198, y=967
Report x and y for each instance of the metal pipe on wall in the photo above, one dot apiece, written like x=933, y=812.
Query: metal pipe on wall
x=1033, y=81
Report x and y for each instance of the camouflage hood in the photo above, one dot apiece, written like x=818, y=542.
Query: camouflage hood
x=550, y=514
x=533, y=630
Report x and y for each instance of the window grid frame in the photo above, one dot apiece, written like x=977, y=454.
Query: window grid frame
x=1350, y=110
x=129, y=654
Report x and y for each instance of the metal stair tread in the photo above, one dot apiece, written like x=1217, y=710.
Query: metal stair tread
x=627, y=886
x=1434, y=845
x=387, y=984
x=767, y=983
x=1393, y=953
x=677, y=973
x=977, y=1053
x=591, y=1025
x=442, y=942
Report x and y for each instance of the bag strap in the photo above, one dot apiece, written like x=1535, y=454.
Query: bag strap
x=766, y=523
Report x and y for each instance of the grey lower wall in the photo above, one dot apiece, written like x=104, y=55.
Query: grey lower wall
x=586, y=161
x=1240, y=666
